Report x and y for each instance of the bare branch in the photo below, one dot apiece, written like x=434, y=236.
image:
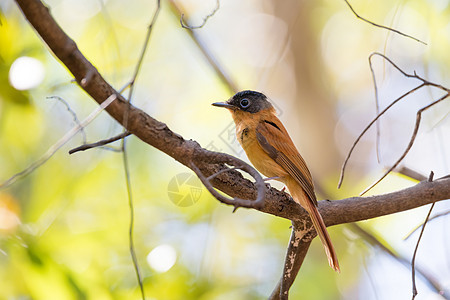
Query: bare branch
x=382, y=26
x=221, y=158
x=131, y=224
x=220, y=70
x=52, y=150
x=418, y=116
x=341, y=179
x=436, y=216
x=85, y=147
x=301, y=238
x=411, y=173
x=413, y=261
x=74, y=115
x=205, y=19
x=144, y=47
x=104, y=142
x=124, y=152
x=377, y=108
x=411, y=142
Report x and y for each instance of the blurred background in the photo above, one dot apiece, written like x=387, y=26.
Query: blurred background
x=64, y=227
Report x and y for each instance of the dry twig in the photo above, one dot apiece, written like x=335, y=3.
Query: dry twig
x=382, y=26
x=52, y=150
x=413, y=261
x=436, y=216
x=221, y=158
x=417, y=124
x=410, y=173
x=104, y=142
x=74, y=115
x=205, y=19
x=124, y=150
x=224, y=76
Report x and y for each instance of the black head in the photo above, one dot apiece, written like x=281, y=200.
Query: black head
x=249, y=101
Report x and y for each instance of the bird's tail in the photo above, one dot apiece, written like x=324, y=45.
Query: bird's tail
x=321, y=229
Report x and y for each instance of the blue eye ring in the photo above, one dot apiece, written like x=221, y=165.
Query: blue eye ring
x=244, y=103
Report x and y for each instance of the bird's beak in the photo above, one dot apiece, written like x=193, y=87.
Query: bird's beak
x=223, y=104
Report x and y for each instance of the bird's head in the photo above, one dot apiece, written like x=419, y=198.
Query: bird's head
x=246, y=101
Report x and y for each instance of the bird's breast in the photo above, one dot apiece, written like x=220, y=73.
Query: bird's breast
x=256, y=154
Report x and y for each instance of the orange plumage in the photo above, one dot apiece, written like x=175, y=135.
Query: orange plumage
x=272, y=152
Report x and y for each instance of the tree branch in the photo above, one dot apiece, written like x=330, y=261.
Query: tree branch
x=382, y=26
x=299, y=243
x=220, y=71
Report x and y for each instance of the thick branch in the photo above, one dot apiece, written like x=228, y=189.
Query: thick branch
x=363, y=208
x=299, y=243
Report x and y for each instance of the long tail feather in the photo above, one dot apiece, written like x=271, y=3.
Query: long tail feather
x=321, y=229
x=301, y=198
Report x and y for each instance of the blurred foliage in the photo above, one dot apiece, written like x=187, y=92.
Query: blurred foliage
x=64, y=228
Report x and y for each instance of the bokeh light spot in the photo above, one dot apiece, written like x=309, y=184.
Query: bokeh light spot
x=162, y=258
x=26, y=73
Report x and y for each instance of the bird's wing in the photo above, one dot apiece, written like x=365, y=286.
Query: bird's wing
x=276, y=142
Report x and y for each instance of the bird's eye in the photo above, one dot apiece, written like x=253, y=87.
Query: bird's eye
x=245, y=103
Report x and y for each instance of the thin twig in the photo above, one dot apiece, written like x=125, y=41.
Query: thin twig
x=85, y=147
x=222, y=158
x=236, y=202
x=52, y=150
x=124, y=152
x=205, y=19
x=131, y=224
x=377, y=108
x=418, y=116
x=341, y=179
x=413, y=262
x=411, y=142
x=110, y=29
x=393, y=64
x=224, y=76
x=442, y=214
x=370, y=278
x=74, y=115
x=411, y=173
x=382, y=112
x=102, y=142
x=145, y=46
x=382, y=26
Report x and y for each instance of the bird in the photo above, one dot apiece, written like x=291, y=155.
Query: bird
x=271, y=151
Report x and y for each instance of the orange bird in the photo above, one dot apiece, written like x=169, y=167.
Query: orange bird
x=270, y=149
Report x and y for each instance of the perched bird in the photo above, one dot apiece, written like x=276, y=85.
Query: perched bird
x=270, y=149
